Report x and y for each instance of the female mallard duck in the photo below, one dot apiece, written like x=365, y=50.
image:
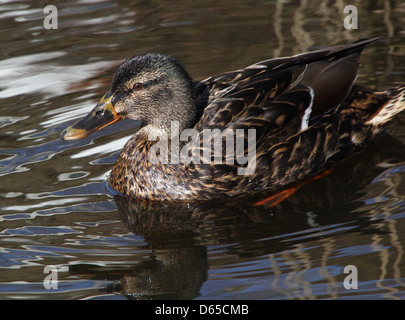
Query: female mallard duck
x=304, y=110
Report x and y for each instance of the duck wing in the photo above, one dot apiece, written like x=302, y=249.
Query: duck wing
x=278, y=98
x=275, y=93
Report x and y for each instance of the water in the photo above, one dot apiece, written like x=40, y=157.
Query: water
x=56, y=209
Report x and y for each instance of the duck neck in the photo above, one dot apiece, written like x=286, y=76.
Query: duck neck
x=175, y=116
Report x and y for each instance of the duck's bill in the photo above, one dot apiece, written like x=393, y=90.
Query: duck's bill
x=101, y=116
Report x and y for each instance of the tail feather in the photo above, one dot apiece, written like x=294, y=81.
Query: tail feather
x=390, y=109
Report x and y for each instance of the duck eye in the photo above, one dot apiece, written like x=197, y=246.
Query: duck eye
x=98, y=113
x=137, y=86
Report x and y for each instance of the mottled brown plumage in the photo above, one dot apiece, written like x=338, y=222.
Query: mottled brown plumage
x=305, y=111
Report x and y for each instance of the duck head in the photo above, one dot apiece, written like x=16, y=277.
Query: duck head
x=153, y=88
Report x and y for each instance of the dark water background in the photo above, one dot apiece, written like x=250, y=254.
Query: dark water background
x=55, y=208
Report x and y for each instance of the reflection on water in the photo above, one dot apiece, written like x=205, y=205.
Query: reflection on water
x=247, y=232
x=55, y=207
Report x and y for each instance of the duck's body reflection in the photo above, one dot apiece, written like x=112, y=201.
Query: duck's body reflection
x=179, y=233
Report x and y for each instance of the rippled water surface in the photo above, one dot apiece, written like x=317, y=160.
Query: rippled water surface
x=56, y=209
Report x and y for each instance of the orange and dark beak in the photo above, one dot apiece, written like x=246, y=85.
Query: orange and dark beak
x=101, y=116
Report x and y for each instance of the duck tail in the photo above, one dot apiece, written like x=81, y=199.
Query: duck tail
x=394, y=105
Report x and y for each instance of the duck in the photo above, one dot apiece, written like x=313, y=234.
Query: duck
x=265, y=127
